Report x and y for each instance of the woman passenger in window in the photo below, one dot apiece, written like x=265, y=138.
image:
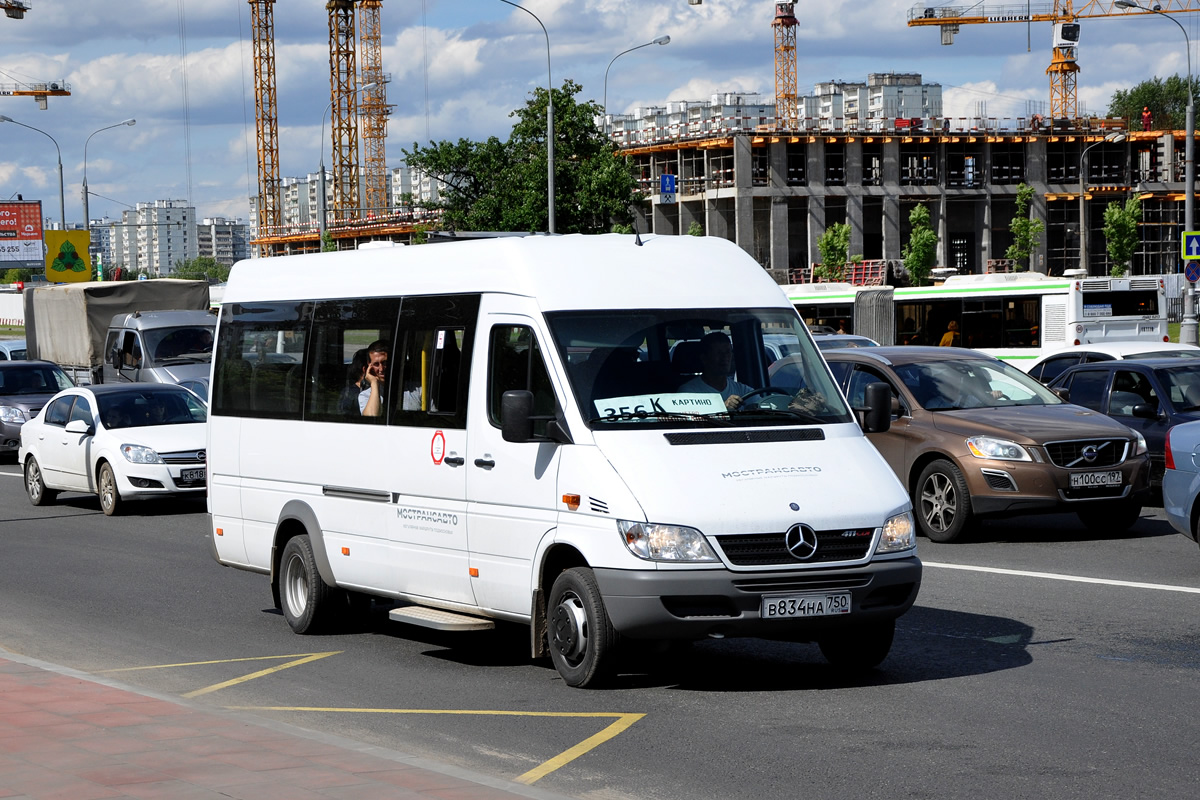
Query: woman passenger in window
x=355, y=383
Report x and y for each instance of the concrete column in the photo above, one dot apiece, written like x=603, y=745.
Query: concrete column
x=814, y=172
x=743, y=207
x=983, y=224
x=854, y=197
x=891, y=200
x=943, y=249
x=1035, y=176
x=777, y=179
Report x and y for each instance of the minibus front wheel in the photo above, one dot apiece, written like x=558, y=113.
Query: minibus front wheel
x=303, y=595
x=582, y=639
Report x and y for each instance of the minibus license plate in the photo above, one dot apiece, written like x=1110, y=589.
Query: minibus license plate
x=1084, y=480
x=806, y=605
x=191, y=474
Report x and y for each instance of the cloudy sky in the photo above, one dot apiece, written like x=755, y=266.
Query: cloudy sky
x=458, y=68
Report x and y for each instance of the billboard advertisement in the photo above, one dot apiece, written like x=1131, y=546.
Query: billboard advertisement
x=21, y=235
x=67, y=256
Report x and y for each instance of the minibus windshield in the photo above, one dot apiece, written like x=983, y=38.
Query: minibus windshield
x=711, y=367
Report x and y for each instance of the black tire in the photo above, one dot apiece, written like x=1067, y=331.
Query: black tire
x=303, y=595
x=35, y=485
x=861, y=647
x=1113, y=517
x=942, y=502
x=106, y=489
x=582, y=640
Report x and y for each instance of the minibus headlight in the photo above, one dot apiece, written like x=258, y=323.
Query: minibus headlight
x=12, y=414
x=655, y=542
x=899, y=533
x=139, y=454
x=999, y=449
x=1139, y=447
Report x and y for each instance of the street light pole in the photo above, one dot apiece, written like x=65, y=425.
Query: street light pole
x=87, y=220
x=321, y=212
x=659, y=40
x=62, y=210
x=1083, y=251
x=549, y=118
x=1188, y=328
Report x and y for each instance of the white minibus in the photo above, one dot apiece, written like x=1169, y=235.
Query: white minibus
x=577, y=433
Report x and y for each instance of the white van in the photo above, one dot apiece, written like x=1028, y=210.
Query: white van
x=553, y=448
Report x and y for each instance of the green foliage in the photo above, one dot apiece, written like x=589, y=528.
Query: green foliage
x=833, y=246
x=420, y=234
x=1121, y=233
x=1166, y=99
x=622, y=227
x=501, y=186
x=201, y=269
x=14, y=275
x=1025, y=229
x=921, y=251
x=328, y=245
x=695, y=229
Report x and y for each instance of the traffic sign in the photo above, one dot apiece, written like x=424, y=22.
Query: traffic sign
x=666, y=189
x=1191, y=271
x=1191, y=245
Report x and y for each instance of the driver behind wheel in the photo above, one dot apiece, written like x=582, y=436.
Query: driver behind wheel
x=716, y=362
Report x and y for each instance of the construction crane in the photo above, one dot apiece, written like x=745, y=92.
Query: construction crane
x=266, y=118
x=344, y=102
x=787, y=111
x=1063, y=70
x=38, y=91
x=14, y=9
x=374, y=107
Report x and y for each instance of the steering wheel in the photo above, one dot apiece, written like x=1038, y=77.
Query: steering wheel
x=766, y=391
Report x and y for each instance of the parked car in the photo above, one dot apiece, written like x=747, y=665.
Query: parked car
x=120, y=441
x=972, y=436
x=25, y=386
x=197, y=386
x=1181, y=481
x=832, y=341
x=12, y=349
x=1150, y=396
x=1050, y=366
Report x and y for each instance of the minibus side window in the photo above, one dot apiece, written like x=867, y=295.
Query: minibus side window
x=343, y=330
x=515, y=362
x=259, y=366
x=433, y=361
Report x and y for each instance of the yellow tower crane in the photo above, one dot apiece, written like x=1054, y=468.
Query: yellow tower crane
x=787, y=111
x=374, y=107
x=266, y=119
x=14, y=9
x=344, y=101
x=1063, y=13
x=38, y=91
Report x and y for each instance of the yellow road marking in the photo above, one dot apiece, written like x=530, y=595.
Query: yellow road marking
x=259, y=674
x=217, y=661
x=621, y=723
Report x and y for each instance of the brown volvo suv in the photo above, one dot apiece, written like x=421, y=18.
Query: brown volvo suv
x=972, y=436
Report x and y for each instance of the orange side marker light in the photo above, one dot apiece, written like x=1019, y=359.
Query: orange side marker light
x=473, y=571
x=571, y=501
x=220, y=531
x=345, y=551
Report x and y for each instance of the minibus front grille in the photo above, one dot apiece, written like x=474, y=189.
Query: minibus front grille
x=763, y=549
x=746, y=437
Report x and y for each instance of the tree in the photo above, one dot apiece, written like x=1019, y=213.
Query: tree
x=501, y=186
x=1121, y=233
x=16, y=274
x=921, y=251
x=833, y=246
x=328, y=245
x=1166, y=99
x=695, y=229
x=1025, y=229
x=203, y=268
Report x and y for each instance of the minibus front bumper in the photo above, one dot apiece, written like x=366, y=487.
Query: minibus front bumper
x=693, y=604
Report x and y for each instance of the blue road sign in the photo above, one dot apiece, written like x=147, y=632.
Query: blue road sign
x=1191, y=271
x=1191, y=245
x=666, y=185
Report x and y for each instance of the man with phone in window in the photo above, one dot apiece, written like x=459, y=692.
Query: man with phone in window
x=370, y=400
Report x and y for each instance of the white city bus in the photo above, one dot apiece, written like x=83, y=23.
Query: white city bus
x=1017, y=317
x=544, y=453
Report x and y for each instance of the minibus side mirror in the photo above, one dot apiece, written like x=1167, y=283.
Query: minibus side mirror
x=516, y=416
x=878, y=416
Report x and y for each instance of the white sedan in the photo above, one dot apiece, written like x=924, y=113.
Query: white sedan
x=119, y=441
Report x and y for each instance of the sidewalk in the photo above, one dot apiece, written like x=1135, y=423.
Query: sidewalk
x=65, y=734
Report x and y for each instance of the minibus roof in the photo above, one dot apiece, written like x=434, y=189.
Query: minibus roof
x=572, y=272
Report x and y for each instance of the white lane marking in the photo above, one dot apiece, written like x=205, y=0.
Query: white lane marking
x=1162, y=587
x=14, y=474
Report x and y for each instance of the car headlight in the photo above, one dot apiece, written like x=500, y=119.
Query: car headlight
x=899, y=533
x=1139, y=447
x=12, y=414
x=655, y=542
x=998, y=449
x=138, y=454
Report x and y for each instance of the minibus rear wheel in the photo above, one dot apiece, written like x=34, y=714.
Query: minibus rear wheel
x=861, y=647
x=582, y=640
x=303, y=594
